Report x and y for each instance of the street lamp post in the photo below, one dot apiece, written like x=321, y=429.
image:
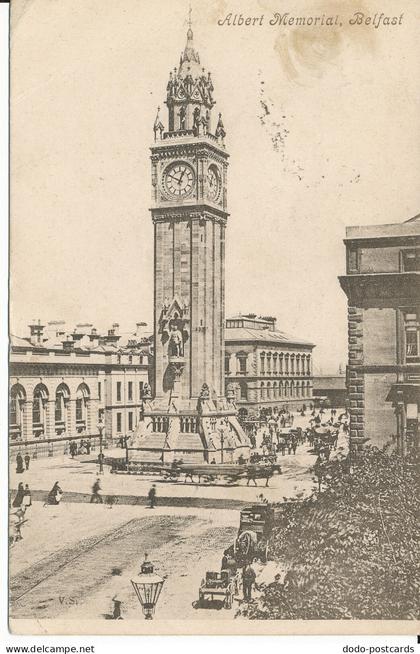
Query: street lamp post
x=101, y=428
x=147, y=585
x=222, y=440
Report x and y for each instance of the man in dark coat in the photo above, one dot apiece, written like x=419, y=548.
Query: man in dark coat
x=248, y=580
x=96, y=497
x=152, y=496
x=27, y=460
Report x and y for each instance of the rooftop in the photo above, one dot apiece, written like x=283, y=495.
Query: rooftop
x=410, y=227
x=263, y=336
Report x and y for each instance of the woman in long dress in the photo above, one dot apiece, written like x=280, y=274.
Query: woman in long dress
x=17, y=502
x=54, y=496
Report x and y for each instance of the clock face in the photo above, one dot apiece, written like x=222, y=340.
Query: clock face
x=178, y=179
x=213, y=184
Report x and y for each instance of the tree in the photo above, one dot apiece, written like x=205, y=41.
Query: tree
x=353, y=550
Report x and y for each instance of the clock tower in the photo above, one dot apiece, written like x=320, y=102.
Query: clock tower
x=186, y=415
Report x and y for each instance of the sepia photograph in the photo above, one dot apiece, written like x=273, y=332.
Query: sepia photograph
x=214, y=317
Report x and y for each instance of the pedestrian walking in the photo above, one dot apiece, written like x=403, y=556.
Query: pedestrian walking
x=27, y=460
x=17, y=502
x=248, y=580
x=152, y=496
x=96, y=496
x=19, y=463
x=27, y=497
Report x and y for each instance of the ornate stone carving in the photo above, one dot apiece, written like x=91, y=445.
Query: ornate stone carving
x=205, y=392
x=147, y=392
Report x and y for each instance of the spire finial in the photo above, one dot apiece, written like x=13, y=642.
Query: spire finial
x=190, y=32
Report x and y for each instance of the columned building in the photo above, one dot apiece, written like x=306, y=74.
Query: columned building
x=265, y=367
x=63, y=383
x=188, y=414
x=382, y=285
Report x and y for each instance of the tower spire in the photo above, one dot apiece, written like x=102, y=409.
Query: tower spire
x=189, y=18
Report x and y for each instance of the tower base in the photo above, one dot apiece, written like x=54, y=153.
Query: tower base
x=206, y=431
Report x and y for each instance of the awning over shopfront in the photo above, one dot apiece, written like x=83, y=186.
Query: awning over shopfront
x=408, y=392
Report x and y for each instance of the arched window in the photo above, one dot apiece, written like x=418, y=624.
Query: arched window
x=292, y=364
x=38, y=408
x=292, y=389
x=275, y=390
x=286, y=364
x=269, y=396
x=262, y=358
x=281, y=357
x=227, y=363
x=241, y=359
x=297, y=389
x=82, y=404
x=308, y=364
x=280, y=390
x=298, y=364
x=62, y=396
x=286, y=389
x=275, y=363
x=17, y=400
x=243, y=390
x=262, y=391
x=269, y=363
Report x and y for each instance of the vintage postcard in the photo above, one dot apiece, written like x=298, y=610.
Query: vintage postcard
x=214, y=317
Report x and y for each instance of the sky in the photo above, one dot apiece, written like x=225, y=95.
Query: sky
x=322, y=130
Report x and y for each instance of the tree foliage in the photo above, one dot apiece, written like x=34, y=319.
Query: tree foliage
x=351, y=551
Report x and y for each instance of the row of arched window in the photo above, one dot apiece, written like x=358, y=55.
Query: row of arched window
x=274, y=391
x=41, y=406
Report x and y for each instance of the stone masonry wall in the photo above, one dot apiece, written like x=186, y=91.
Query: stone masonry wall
x=355, y=378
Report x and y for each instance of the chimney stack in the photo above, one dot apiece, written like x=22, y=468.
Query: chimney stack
x=37, y=331
x=68, y=344
x=140, y=329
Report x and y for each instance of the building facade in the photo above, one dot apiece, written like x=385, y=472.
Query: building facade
x=382, y=285
x=266, y=368
x=330, y=389
x=63, y=384
x=188, y=415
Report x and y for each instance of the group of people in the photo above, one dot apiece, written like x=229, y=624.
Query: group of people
x=84, y=447
x=20, y=460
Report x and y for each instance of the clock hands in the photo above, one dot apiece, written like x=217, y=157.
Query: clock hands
x=182, y=175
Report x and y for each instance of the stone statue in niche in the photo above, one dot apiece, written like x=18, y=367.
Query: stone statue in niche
x=205, y=392
x=176, y=342
x=196, y=120
x=147, y=392
x=182, y=117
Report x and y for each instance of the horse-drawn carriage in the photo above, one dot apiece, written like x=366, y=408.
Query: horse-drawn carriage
x=255, y=526
x=229, y=473
x=217, y=586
